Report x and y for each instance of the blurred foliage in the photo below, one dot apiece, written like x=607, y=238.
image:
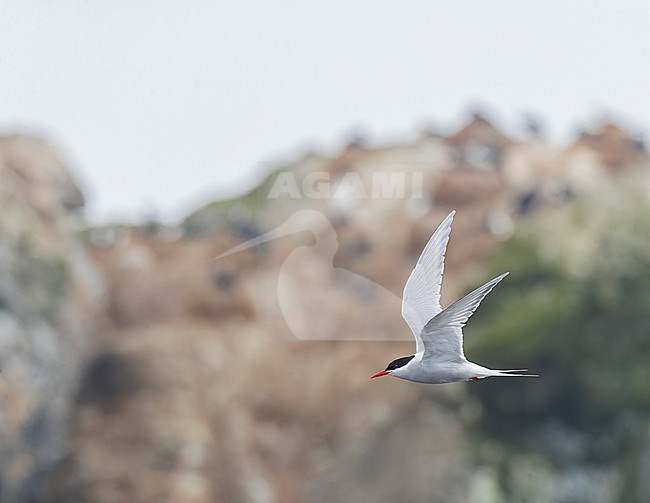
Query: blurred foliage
x=245, y=206
x=575, y=309
x=43, y=278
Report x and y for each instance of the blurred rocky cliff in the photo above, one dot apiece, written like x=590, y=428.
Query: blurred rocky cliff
x=136, y=367
x=52, y=298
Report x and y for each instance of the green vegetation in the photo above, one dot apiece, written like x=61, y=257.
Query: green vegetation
x=576, y=309
x=219, y=211
x=43, y=279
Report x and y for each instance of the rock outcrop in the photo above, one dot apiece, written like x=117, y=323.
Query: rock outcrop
x=51, y=298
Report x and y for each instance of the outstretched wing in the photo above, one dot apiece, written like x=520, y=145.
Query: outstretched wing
x=421, y=300
x=442, y=336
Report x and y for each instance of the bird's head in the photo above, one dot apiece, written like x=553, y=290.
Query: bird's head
x=396, y=367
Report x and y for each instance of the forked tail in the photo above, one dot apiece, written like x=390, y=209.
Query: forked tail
x=512, y=373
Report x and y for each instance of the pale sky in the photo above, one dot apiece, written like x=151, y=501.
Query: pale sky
x=162, y=105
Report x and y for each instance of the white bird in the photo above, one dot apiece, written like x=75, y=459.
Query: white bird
x=439, y=356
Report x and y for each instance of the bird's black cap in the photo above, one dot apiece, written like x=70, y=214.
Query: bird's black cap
x=400, y=362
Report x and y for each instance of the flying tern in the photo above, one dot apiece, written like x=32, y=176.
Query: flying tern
x=439, y=356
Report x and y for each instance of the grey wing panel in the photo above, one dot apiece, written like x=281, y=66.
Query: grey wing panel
x=443, y=343
x=442, y=336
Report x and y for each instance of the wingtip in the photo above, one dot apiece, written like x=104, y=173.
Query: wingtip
x=449, y=217
x=499, y=278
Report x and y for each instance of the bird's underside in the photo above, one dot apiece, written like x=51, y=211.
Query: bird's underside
x=465, y=371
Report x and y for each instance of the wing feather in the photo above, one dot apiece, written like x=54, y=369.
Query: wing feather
x=421, y=300
x=442, y=336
